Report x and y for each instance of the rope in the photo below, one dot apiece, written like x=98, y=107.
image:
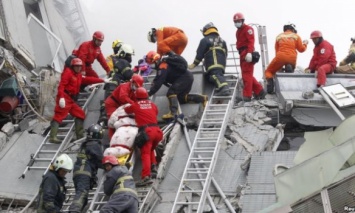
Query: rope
x=14, y=71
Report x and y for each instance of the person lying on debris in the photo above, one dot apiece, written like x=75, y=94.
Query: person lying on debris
x=119, y=186
x=286, y=46
x=88, y=161
x=68, y=91
x=149, y=134
x=323, y=61
x=52, y=190
x=123, y=94
x=213, y=49
x=347, y=65
x=172, y=72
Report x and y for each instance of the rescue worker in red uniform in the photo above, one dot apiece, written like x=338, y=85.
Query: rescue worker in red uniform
x=68, y=90
x=89, y=51
x=123, y=94
x=119, y=186
x=169, y=40
x=88, y=161
x=286, y=46
x=179, y=83
x=145, y=114
x=245, y=46
x=323, y=60
x=51, y=195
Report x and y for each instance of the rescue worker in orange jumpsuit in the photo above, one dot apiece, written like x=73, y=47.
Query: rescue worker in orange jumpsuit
x=323, y=60
x=89, y=51
x=169, y=40
x=145, y=114
x=245, y=46
x=119, y=187
x=286, y=45
x=123, y=94
x=68, y=90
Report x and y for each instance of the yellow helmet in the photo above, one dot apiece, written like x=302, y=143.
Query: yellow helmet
x=116, y=43
x=123, y=159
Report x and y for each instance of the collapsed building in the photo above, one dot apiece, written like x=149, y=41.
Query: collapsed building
x=247, y=157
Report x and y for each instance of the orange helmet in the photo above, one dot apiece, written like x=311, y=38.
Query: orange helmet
x=98, y=35
x=138, y=79
x=316, y=34
x=141, y=93
x=109, y=159
x=76, y=62
x=152, y=57
x=238, y=16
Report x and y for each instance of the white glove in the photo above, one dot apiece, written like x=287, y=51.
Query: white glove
x=248, y=57
x=191, y=66
x=107, y=80
x=305, y=42
x=62, y=102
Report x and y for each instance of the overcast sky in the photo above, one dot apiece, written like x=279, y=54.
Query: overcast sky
x=131, y=20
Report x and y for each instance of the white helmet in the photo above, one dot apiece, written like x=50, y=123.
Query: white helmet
x=63, y=162
x=124, y=50
x=290, y=26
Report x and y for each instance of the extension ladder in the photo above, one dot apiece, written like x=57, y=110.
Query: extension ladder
x=47, y=152
x=196, y=178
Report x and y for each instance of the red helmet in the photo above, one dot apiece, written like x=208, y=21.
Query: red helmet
x=98, y=35
x=76, y=62
x=110, y=159
x=316, y=34
x=238, y=16
x=141, y=93
x=138, y=79
x=74, y=52
x=152, y=57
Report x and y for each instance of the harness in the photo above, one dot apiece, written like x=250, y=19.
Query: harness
x=82, y=155
x=74, y=97
x=121, y=188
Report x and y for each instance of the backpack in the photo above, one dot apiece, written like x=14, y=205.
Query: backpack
x=176, y=62
x=68, y=60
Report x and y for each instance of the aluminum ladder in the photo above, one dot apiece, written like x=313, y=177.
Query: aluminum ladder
x=47, y=152
x=204, y=152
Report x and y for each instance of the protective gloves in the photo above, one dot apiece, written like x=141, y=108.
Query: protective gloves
x=62, y=103
x=107, y=80
x=305, y=42
x=307, y=70
x=248, y=58
x=192, y=66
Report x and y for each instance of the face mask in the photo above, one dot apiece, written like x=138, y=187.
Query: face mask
x=238, y=24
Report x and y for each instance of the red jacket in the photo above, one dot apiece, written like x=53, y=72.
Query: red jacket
x=123, y=94
x=323, y=53
x=70, y=82
x=88, y=52
x=245, y=38
x=145, y=112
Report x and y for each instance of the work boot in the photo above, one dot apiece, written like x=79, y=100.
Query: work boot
x=146, y=181
x=261, y=95
x=196, y=98
x=173, y=105
x=79, y=128
x=270, y=85
x=289, y=68
x=54, y=131
x=153, y=171
x=223, y=91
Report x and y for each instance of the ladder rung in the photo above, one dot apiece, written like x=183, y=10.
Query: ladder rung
x=201, y=151
x=197, y=169
x=193, y=180
x=37, y=167
x=200, y=161
x=47, y=151
x=188, y=203
x=191, y=191
x=43, y=159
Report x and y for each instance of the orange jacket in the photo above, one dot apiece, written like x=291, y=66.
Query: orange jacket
x=288, y=42
x=170, y=39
